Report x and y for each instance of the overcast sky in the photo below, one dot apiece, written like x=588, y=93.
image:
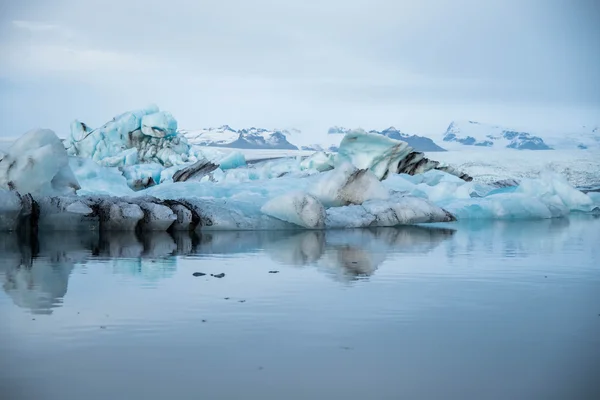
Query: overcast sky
x=308, y=64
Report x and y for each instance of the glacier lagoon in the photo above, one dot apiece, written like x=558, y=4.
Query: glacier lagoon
x=472, y=309
x=135, y=264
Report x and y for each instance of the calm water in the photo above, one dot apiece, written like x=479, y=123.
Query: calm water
x=480, y=311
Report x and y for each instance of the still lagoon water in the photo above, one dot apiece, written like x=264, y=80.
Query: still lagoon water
x=502, y=310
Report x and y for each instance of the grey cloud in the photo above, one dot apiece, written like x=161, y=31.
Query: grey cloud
x=266, y=61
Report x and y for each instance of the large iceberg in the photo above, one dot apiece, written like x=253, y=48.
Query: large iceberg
x=141, y=136
x=137, y=173
x=144, y=145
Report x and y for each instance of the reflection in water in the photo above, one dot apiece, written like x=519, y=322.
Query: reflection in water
x=36, y=274
x=39, y=281
x=517, y=238
x=351, y=254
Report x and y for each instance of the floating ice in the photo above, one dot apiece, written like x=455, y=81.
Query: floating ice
x=159, y=124
x=119, y=215
x=232, y=160
x=385, y=156
x=37, y=163
x=399, y=210
x=142, y=136
x=10, y=210
x=98, y=180
x=141, y=176
x=347, y=185
x=297, y=208
x=372, y=181
x=319, y=161
x=548, y=196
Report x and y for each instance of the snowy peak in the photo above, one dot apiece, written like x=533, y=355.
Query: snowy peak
x=419, y=143
x=251, y=138
x=472, y=133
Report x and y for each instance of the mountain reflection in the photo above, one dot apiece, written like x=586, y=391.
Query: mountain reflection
x=35, y=273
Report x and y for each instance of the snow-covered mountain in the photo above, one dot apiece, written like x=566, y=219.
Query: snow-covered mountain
x=458, y=135
x=253, y=138
x=471, y=133
x=419, y=143
x=584, y=138
x=336, y=133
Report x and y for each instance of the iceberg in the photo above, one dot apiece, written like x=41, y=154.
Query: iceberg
x=384, y=156
x=141, y=136
x=137, y=173
x=297, y=208
x=37, y=163
x=145, y=146
x=347, y=185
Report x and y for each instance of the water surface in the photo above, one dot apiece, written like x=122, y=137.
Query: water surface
x=504, y=310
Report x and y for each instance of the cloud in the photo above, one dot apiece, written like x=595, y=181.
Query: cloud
x=373, y=62
x=43, y=28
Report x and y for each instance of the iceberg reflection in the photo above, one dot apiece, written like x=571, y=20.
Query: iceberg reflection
x=36, y=272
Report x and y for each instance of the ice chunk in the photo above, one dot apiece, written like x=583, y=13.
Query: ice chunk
x=354, y=216
x=235, y=159
x=10, y=210
x=377, y=153
x=160, y=124
x=119, y=216
x=157, y=217
x=185, y=218
x=37, y=163
x=554, y=191
x=196, y=171
x=98, y=180
x=222, y=214
x=141, y=136
x=78, y=208
x=399, y=210
x=141, y=176
x=347, y=185
x=66, y=213
x=297, y=208
x=385, y=156
x=319, y=161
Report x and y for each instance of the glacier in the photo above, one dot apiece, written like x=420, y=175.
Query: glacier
x=138, y=173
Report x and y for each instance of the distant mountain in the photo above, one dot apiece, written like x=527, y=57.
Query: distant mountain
x=583, y=138
x=471, y=133
x=336, y=133
x=253, y=138
x=458, y=135
x=419, y=143
x=292, y=139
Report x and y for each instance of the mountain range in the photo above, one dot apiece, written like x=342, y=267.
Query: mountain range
x=459, y=134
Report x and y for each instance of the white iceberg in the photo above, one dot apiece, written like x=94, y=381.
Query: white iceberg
x=37, y=163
